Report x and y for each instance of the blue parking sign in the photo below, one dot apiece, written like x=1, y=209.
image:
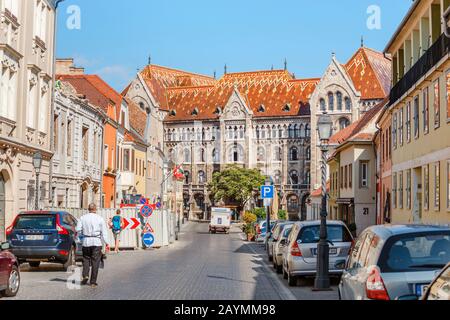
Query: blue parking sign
x=267, y=192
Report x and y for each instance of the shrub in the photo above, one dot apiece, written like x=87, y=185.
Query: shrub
x=260, y=213
x=249, y=218
x=282, y=214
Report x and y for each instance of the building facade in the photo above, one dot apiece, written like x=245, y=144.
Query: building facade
x=346, y=92
x=420, y=107
x=27, y=30
x=78, y=150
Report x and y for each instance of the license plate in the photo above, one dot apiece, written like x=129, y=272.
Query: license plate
x=34, y=238
x=421, y=289
x=333, y=251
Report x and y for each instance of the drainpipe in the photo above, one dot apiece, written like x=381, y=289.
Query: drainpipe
x=377, y=176
x=52, y=107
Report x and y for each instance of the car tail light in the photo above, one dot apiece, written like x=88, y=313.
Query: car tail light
x=61, y=230
x=63, y=252
x=375, y=288
x=10, y=229
x=295, y=250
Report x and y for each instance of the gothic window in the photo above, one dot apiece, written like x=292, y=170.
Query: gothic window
x=308, y=178
x=323, y=106
x=293, y=177
x=201, y=155
x=343, y=123
x=261, y=154
x=308, y=153
x=291, y=131
x=277, y=177
x=307, y=131
x=330, y=101
x=277, y=154
x=187, y=156
x=339, y=100
x=258, y=133
x=216, y=156
x=201, y=177
x=293, y=154
x=293, y=204
x=236, y=154
x=348, y=104
x=187, y=176
x=280, y=132
x=274, y=132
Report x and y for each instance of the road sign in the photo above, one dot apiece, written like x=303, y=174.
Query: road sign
x=146, y=211
x=267, y=192
x=132, y=223
x=142, y=200
x=148, y=239
x=158, y=205
x=148, y=228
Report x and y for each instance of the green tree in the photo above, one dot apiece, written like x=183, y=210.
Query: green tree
x=236, y=184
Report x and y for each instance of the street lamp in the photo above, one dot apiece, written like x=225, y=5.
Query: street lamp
x=322, y=281
x=37, y=164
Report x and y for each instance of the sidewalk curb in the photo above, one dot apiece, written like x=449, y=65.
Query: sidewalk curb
x=283, y=292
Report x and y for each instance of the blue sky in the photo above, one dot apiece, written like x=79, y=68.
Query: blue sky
x=116, y=37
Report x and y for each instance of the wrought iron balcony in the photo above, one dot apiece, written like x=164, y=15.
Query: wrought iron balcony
x=426, y=62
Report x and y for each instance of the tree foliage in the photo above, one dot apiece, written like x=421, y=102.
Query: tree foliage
x=236, y=184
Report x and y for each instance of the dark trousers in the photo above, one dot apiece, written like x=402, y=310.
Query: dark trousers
x=91, y=259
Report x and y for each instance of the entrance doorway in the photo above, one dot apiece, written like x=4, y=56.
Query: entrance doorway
x=2, y=208
x=417, y=192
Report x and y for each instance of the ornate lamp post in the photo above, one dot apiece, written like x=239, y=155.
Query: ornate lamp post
x=37, y=164
x=322, y=282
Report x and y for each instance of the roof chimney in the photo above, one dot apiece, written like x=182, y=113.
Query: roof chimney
x=66, y=67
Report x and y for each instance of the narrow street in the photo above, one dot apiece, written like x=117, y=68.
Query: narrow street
x=198, y=267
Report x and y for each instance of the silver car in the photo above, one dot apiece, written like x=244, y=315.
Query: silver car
x=274, y=237
x=300, y=256
x=440, y=288
x=395, y=262
x=280, y=245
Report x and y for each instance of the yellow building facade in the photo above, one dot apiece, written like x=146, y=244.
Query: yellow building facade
x=420, y=108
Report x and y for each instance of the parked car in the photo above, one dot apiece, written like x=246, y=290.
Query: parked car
x=300, y=256
x=9, y=272
x=395, y=262
x=45, y=236
x=440, y=287
x=280, y=245
x=275, y=234
x=261, y=230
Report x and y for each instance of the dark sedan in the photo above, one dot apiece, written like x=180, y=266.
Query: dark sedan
x=44, y=236
x=9, y=272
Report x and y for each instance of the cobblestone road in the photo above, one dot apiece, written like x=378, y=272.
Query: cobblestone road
x=199, y=267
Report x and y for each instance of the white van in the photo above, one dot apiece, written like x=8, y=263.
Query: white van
x=220, y=220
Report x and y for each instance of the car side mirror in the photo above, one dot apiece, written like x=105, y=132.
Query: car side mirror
x=5, y=246
x=341, y=264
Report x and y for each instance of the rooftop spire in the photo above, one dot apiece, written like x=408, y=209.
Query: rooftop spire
x=215, y=74
x=225, y=69
x=285, y=64
x=149, y=60
x=362, y=41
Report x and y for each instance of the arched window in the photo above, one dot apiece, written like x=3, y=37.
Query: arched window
x=308, y=153
x=201, y=177
x=307, y=131
x=258, y=133
x=274, y=132
x=297, y=131
x=293, y=177
x=187, y=177
x=236, y=154
x=343, y=123
x=339, y=100
x=308, y=178
x=216, y=156
x=277, y=154
x=323, y=106
x=348, y=104
x=280, y=132
x=201, y=155
x=277, y=177
x=293, y=154
x=261, y=154
x=291, y=131
x=330, y=101
x=293, y=203
x=187, y=156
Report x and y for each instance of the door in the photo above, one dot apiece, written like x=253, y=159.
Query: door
x=4, y=262
x=2, y=209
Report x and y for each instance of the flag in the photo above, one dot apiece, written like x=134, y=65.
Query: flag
x=178, y=173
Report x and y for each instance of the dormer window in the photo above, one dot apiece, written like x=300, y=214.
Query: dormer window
x=287, y=107
x=173, y=113
x=195, y=112
x=124, y=116
x=218, y=110
x=262, y=108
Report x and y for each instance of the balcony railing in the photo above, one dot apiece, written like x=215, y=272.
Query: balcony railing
x=426, y=62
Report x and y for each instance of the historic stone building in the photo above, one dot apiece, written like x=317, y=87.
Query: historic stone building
x=252, y=119
x=26, y=69
x=78, y=155
x=347, y=92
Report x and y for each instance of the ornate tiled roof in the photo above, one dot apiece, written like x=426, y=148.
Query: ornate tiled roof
x=277, y=91
x=370, y=72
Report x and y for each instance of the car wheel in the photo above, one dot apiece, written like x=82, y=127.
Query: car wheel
x=34, y=264
x=70, y=260
x=279, y=269
x=13, y=283
x=270, y=258
x=292, y=281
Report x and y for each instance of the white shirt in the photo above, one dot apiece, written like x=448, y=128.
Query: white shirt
x=93, y=228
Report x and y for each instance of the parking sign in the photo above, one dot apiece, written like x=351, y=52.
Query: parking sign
x=267, y=192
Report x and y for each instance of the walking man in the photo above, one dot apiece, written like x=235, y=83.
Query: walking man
x=93, y=229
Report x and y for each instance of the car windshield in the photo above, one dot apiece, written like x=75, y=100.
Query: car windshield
x=41, y=222
x=287, y=231
x=311, y=234
x=408, y=253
